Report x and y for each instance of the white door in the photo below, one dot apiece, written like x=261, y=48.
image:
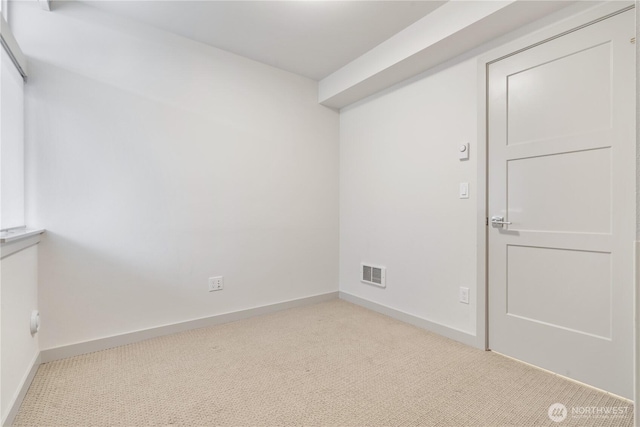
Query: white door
x=562, y=175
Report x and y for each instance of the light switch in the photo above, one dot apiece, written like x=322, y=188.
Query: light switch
x=463, y=296
x=464, y=190
x=463, y=152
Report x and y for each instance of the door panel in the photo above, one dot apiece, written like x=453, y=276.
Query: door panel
x=533, y=112
x=562, y=174
x=544, y=195
x=563, y=288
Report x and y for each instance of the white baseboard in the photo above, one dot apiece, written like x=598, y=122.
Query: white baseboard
x=77, y=349
x=26, y=383
x=437, y=328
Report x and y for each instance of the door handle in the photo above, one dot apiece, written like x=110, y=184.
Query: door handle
x=498, y=221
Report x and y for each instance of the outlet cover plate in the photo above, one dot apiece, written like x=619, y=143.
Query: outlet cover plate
x=216, y=283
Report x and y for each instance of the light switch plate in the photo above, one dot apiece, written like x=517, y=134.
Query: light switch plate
x=464, y=190
x=464, y=295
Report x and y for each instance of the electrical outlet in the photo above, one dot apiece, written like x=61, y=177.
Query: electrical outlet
x=216, y=283
x=464, y=295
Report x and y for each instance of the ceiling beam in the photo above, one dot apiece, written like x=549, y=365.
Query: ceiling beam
x=45, y=4
x=449, y=31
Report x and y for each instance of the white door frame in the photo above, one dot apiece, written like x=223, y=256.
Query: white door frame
x=558, y=29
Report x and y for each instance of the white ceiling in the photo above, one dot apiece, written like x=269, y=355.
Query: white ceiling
x=310, y=38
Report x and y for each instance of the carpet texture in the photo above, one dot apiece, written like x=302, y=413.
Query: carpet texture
x=330, y=364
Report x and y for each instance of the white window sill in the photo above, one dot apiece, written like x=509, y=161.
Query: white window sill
x=13, y=241
x=19, y=234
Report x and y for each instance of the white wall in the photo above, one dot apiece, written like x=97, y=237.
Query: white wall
x=12, y=147
x=155, y=162
x=399, y=204
x=399, y=180
x=18, y=298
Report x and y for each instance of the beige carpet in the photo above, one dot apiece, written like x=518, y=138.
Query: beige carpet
x=331, y=364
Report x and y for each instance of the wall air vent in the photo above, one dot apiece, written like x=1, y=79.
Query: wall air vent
x=373, y=275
